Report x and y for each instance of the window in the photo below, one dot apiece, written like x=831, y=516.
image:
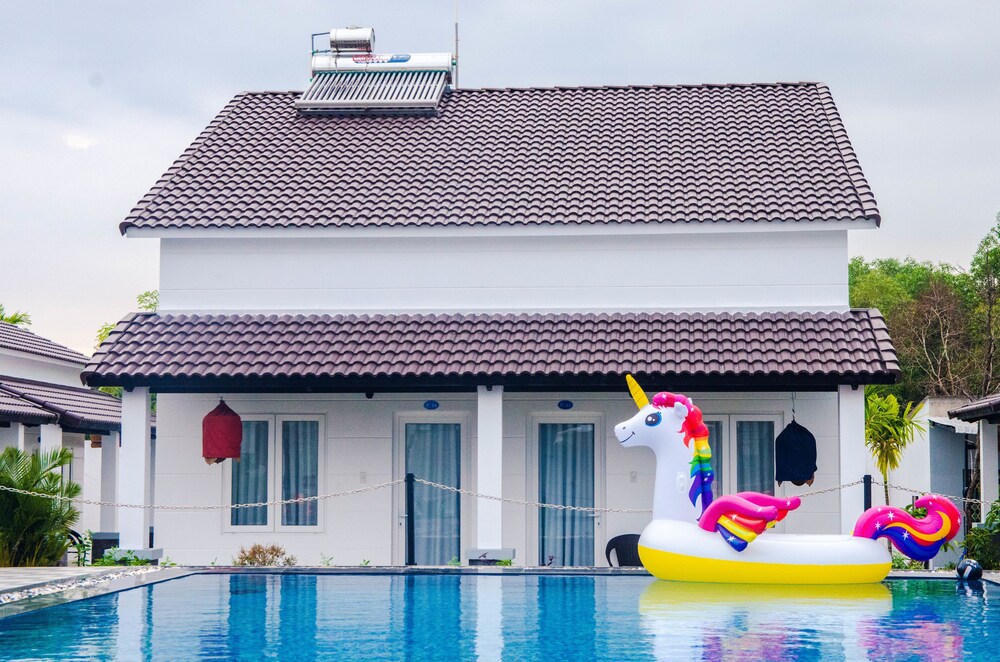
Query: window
x=281, y=458
x=742, y=452
x=249, y=476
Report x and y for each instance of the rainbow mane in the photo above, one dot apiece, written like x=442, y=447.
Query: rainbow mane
x=920, y=539
x=694, y=429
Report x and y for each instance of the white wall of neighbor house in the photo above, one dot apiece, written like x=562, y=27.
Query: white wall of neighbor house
x=632, y=271
x=30, y=366
x=359, y=451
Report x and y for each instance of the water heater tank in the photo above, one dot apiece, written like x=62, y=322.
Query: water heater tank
x=352, y=40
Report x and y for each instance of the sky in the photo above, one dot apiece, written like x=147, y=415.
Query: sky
x=98, y=98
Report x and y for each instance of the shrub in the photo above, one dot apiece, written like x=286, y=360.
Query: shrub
x=263, y=555
x=981, y=545
x=34, y=531
x=115, y=556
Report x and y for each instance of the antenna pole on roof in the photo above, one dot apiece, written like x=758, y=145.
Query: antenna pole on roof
x=456, y=43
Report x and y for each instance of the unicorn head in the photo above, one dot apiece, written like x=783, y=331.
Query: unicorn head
x=673, y=428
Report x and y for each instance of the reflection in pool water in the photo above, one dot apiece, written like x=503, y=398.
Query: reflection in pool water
x=515, y=617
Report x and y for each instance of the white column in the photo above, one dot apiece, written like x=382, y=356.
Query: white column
x=133, y=469
x=489, y=467
x=990, y=490
x=853, y=454
x=22, y=443
x=109, y=481
x=50, y=438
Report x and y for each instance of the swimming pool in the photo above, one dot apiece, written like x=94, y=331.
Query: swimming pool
x=515, y=616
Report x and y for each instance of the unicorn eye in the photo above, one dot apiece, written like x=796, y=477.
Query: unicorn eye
x=653, y=419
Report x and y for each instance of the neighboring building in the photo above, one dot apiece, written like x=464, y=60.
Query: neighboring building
x=43, y=406
x=457, y=291
x=938, y=461
x=986, y=414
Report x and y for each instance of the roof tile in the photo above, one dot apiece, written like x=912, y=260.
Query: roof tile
x=639, y=154
x=19, y=339
x=148, y=347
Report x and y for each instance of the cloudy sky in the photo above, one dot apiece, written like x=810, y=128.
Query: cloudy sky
x=98, y=98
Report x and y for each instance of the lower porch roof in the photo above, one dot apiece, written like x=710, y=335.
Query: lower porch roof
x=522, y=352
x=73, y=408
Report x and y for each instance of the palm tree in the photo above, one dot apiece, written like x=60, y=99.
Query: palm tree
x=17, y=317
x=34, y=530
x=888, y=431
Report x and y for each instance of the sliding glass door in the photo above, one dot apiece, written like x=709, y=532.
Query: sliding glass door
x=433, y=452
x=566, y=476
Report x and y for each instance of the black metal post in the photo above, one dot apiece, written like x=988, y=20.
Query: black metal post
x=868, y=491
x=410, y=551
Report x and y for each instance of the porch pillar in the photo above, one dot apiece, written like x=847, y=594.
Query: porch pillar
x=853, y=454
x=133, y=469
x=988, y=466
x=50, y=438
x=109, y=480
x=22, y=442
x=489, y=467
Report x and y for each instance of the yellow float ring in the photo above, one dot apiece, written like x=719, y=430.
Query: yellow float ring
x=682, y=568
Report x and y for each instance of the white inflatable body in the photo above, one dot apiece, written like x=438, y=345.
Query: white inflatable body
x=682, y=551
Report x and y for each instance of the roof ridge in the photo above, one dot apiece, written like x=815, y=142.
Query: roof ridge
x=848, y=156
x=571, y=88
x=180, y=162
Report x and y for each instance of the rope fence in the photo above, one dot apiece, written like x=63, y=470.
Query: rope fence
x=439, y=486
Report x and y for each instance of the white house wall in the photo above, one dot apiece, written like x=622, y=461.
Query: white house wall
x=359, y=452
x=684, y=270
x=27, y=366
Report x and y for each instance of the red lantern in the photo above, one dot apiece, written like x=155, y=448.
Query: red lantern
x=221, y=434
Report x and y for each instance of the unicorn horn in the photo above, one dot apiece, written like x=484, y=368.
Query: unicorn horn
x=637, y=393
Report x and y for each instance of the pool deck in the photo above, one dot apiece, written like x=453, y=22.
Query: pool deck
x=23, y=579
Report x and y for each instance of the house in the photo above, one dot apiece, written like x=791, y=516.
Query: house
x=387, y=275
x=43, y=407
x=938, y=460
x=985, y=413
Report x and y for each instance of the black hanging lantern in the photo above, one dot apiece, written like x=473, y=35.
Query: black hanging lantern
x=221, y=434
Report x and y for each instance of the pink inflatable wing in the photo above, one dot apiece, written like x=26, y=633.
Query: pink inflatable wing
x=740, y=518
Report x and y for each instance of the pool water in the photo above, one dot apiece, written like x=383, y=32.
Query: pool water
x=512, y=617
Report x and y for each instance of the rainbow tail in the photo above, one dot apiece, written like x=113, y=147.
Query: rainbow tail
x=920, y=539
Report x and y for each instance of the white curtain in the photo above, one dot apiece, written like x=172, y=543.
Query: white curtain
x=299, y=471
x=566, y=476
x=250, y=476
x=433, y=452
x=755, y=456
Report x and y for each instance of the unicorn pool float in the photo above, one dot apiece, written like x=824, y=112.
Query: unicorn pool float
x=696, y=538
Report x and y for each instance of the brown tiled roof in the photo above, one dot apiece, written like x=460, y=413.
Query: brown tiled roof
x=979, y=409
x=20, y=339
x=72, y=407
x=520, y=350
x=14, y=408
x=653, y=154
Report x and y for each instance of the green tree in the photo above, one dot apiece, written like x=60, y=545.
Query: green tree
x=34, y=531
x=889, y=429
x=17, y=317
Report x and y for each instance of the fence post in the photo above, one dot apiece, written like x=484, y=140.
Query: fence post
x=868, y=491
x=410, y=551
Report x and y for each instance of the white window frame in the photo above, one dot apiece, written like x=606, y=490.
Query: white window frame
x=466, y=509
x=535, y=419
x=274, y=422
x=319, y=527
